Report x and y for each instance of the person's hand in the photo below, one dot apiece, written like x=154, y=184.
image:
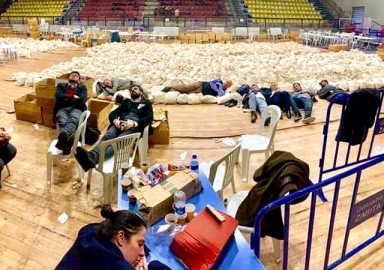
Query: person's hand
x=142, y=265
x=304, y=91
x=116, y=122
x=76, y=96
x=127, y=125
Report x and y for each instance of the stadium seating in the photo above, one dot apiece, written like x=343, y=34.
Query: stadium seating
x=23, y=8
x=278, y=11
x=195, y=9
x=112, y=10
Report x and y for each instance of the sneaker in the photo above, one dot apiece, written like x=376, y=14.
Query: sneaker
x=298, y=117
x=309, y=120
x=68, y=146
x=288, y=114
x=62, y=140
x=226, y=104
x=232, y=104
x=82, y=156
x=267, y=121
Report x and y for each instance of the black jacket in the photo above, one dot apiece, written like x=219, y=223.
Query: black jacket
x=280, y=174
x=329, y=92
x=145, y=114
x=359, y=116
x=91, y=252
x=63, y=100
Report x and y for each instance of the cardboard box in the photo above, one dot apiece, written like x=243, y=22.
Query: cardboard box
x=299, y=40
x=46, y=89
x=47, y=114
x=338, y=47
x=380, y=51
x=161, y=132
x=156, y=202
x=101, y=41
x=27, y=110
x=100, y=110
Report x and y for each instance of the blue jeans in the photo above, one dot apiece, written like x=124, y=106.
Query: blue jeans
x=68, y=119
x=281, y=99
x=302, y=102
x=112, y=133
x=7, y=153
x=256, y=103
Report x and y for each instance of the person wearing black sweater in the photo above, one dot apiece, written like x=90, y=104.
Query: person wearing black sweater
x=132, y=116
x=70, y=103
x=118, y=242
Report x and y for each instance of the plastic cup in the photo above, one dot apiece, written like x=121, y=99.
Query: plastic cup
x=171, y=219
x=131, y=197
x=125, y=183
x=181, y=219
x=190, y=209
x=144, y=166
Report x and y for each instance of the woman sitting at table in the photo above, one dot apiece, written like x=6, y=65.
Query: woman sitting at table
x=115, y=243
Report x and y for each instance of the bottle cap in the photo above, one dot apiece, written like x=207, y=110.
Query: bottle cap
x=194, y=156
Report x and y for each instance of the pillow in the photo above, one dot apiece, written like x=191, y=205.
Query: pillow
x=224, y=99
x=29, y=81
x=182, y=99
x=171, y=97
x=236, y=96
x=343, y=85
x=208, y=99
x=193, y=99
x=20, y=81
x=353, y=86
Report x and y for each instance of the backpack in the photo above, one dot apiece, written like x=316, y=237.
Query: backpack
x=244, y=89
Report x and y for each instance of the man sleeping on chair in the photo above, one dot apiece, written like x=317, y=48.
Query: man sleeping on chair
x=132, y=116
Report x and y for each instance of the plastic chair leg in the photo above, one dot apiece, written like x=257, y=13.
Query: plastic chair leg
x=49, y=169
x=107, y=188
x=9, y=172
x=276, y=250
x=81, y=174
x=89, y=178
x=244, y=165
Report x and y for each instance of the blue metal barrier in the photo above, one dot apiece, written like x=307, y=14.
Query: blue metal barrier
x=345, y=168
x=255, y=237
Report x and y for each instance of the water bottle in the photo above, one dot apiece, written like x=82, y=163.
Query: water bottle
x=179, y=205
x=194, y=165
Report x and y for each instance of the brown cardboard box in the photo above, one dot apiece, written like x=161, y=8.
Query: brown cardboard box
x=161, y=132
x=299, y=40
x=380, y=51
x=47, y=114
x=157, y=201
x=338, y=47
x=27, y=110
x=100, y=110
x=293, y=34
x=46, y=89
x=101, y=41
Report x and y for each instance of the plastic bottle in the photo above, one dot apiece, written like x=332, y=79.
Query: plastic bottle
x=194, y=165
x=180, y=200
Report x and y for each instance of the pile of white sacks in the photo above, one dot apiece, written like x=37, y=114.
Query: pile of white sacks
x=28, y=47
x=158, y=65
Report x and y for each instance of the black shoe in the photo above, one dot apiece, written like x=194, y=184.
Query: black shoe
x=228, y=102
x=281, y=116
x=288, y=114
x=314, y=99
x=298, y=117
x=166, y=89
x=119, y=99
x=82, y=157
x=253, y=117
x=267, y=121
x=62, y=140
x=232, y=104
x=68, y=146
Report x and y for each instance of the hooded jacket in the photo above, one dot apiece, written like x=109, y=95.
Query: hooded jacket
x=91, y=252
x=280, y=174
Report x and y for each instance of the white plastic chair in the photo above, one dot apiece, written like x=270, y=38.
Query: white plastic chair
x=124, y=149
x=233, y=205
x=221, y=176
x=54, y=153
x=251, y=38
x=143, y=145
x=258, y=143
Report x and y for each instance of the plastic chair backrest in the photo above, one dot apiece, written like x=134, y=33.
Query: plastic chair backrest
x=80, y=132
x=124, y=149
x=230, y=162
x=275, y=116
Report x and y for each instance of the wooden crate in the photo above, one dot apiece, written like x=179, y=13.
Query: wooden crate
x=100, y=111
x=48, y=117
x=161, y=132
x=27, y=110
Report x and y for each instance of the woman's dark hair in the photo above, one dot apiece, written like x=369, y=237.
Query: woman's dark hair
x=122, y=220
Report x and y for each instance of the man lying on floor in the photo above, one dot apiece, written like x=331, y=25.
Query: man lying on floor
x=109, y=87
x=132, y=116
x=213, y=88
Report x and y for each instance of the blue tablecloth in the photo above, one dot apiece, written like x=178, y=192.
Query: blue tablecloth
x=236, y=255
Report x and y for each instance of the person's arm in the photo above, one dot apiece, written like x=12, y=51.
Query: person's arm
x=311, y=92
x=115, y=114
x=61, y=92
x=217, y=85
x=323, y=93
x=82, y=93
x=148, y=118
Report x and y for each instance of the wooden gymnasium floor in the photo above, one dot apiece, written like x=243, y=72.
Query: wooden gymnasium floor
x=32, y=238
